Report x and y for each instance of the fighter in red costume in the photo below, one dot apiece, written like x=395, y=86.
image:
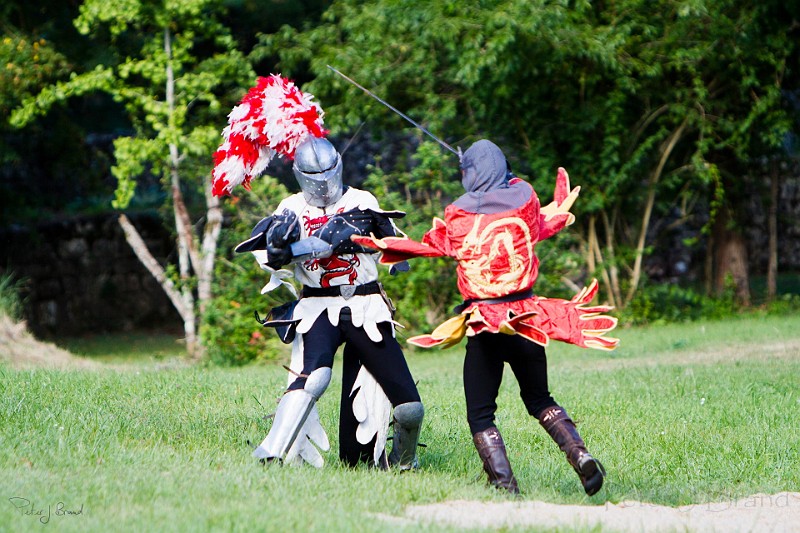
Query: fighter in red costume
x=491, y=231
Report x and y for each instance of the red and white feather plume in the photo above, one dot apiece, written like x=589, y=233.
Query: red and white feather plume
x=272, y=119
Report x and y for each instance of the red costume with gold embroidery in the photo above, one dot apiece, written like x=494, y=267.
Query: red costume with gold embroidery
x=492, y=231
x=496, y=258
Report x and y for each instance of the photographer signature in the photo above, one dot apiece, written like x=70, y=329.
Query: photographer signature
x=28, y=508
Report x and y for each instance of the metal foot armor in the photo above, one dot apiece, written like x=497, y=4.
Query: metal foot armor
x=293, y=410
x=407, y=423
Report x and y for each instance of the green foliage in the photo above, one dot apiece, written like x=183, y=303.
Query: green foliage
x=600, y=89
x=98, y=79
x=559, y=261
x=229, y=330
x=132, y=155
x=426, y=294
x=177, y=73
x=176, y=70
x=10, y=298
x=672, y=303
x=596, y=87
x=785, y=304
x=668, y=302
x=27, y=64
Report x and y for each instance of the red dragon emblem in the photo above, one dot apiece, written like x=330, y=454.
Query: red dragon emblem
x=332, y=267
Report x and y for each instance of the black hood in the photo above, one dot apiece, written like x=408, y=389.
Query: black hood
x=486, y=179
x=484, y=167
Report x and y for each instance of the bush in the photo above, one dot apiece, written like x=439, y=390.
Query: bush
x=668, y=302
x=784, y=305
x=426, y=294
x=665, y=303
x=230, y=332
x=10, y=299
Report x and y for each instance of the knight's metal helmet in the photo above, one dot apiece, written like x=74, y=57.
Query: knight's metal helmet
x=318, y=169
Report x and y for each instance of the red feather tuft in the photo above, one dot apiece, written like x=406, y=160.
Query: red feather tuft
x=273, y=118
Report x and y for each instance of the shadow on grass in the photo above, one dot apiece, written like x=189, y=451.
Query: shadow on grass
x=126, y=347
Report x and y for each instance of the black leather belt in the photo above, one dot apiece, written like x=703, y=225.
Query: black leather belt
x=513, y=297
x=373, y=287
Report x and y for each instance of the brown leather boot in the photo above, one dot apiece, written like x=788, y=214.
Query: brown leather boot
x=492, y=451
x=561, y=428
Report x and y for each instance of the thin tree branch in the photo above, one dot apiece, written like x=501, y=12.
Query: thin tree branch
x=139, y=247
x=666, y=151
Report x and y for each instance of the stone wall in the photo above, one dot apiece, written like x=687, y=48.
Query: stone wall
x=81, y=276
x=672, y=261
x=788, y=226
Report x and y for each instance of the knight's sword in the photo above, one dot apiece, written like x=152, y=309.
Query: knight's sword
x=387, y=104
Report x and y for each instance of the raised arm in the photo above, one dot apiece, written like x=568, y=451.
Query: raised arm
x=555, y=216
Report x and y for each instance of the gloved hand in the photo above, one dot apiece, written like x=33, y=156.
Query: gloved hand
x=396, y=268
x=337, y=232
x=563, y=198
x=284, y=230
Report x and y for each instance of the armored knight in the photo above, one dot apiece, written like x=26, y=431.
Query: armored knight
x=342, y=302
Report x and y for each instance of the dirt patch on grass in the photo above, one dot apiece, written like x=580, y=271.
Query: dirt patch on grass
x=20, y=349
x=777, y=513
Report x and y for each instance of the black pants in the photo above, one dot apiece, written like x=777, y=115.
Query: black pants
x=486, y=356
x=384, y=360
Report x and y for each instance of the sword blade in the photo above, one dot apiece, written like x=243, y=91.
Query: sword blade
x=387, y=104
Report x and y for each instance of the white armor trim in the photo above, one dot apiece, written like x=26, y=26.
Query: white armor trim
x=372, y=409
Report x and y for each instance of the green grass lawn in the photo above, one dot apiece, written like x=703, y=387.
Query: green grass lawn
x=678, y=414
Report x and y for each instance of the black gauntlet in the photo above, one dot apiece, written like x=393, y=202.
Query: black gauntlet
x=283, y=231
x=274, y=234
x=342, y=226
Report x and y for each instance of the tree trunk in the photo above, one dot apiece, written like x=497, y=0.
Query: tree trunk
x=188, y=257
x=772, y=221
x=591, y=236
x=213, y=227
x=666, y=151
x=613, y=270
x=708, y=266
x=730, y=259
x=597, y=259
x=139, y=248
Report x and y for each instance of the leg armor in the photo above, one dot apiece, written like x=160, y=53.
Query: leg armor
x=562, y=430
x=492, y=451
x=407, y=422
x=293, y=410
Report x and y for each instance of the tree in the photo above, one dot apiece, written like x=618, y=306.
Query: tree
x=651, y=107
x=742, y=120
x=29, y=62
x=176, y=70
